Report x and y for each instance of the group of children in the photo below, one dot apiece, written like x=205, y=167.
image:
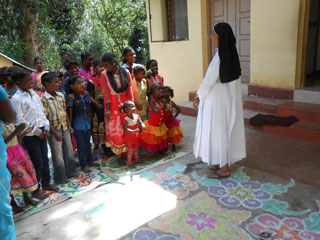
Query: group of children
x=66, y=109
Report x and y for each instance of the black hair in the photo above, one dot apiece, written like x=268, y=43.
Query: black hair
x=96, y=63
x=126, y=104
x=73, y=79
x=38, y=58
x=109, y=58
x=151, y=90
x=170, y=90
x=65, y=53
x=125, y=53
x=47, y=77
x=67, y=63
x=150, y=62
x=59, y=74
x=11, y=69
x=84, y=56
x=138, y=68
x=5, y=71
x=19, y=74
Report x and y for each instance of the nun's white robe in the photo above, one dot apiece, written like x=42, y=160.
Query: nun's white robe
x=220, y=136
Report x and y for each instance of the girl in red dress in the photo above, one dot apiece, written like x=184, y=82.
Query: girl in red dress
x=132, y=127
x=152, y=73
x=174, y=133
x=116, y=88
x=154, y=137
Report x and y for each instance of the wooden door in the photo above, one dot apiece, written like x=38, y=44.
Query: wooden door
x=237, y=14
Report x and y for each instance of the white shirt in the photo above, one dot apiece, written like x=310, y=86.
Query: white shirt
x=29, y=110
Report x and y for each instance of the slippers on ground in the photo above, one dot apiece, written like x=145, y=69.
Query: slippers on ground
x=214, y=167
x=216, y=175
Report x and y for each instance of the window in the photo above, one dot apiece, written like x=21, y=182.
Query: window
x=168, y=20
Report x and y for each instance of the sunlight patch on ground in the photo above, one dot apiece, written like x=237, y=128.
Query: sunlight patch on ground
x=115, y=209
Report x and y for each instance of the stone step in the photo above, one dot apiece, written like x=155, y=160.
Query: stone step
x=306, y=130
x=303, y=111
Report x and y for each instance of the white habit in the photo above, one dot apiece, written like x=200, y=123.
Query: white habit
x=220, y=136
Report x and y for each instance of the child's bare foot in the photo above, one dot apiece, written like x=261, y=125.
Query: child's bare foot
x=86, y=169
x=51, y=187
x=39, y=195
x=174, y=148
x=29, y=201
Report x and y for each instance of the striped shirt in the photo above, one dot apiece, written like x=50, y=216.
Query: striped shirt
x=55, y=110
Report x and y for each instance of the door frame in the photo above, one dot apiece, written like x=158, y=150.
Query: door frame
x=303, y=37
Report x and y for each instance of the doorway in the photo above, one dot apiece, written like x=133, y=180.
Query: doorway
x=237, y=14
x=312, y=78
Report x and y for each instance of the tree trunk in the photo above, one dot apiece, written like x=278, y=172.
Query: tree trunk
x=30, y=35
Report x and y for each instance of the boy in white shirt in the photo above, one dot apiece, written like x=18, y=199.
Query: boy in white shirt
x=29, y=109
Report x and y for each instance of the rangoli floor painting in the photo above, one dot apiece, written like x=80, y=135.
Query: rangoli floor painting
x=233, y=208
x=239, y=207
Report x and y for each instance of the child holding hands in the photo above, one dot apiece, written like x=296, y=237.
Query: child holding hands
x=23, y=175
x=132, y=127
x=29, y=109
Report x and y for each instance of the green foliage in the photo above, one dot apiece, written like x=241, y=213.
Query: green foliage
x=97, y=26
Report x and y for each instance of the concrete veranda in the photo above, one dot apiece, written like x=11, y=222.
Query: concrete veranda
x=177, y=201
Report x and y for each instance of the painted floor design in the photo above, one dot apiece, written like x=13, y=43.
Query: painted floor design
x=109, y=171
x=233, y=208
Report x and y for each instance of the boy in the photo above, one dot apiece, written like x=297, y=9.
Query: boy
x=29, y=109
x=55, y=109
x=79, y=114
x=72, y=67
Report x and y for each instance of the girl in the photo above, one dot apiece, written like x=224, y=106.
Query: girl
x=87, y=70
x=40, y=67
x=132, y=127
x=23, y=175
x=117, y=88
x=140, y=89
x=154, y=137
x=79, y=115
x=95, y=90
x=175, y=133
x=128, y=59
x=152, y=73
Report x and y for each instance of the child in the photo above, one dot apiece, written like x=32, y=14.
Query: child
x=55, y=109
x=72, y=67
x=95, y=90
x=79, y=115
x=132, y=127
x=29, y=109
x=175, y=133
x=23, y=175
x=9, y=85
x=154, y=137
x=140, y=89
x=128, y=59
x=87, y=70
x=152, y=73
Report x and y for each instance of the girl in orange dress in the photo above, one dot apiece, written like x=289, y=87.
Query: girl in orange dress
x=154, y=137
x=132, y=127
x=117, y=88
x=174, y=133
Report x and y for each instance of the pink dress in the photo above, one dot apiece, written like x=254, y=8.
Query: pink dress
x=174, y=133
x=37, y=78
x=157, y=79
x=23, y=175
x=114, y=128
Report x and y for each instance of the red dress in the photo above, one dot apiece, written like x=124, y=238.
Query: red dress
x=154, y=137
x=132, y=124
x=113, y=128
x=174, y=133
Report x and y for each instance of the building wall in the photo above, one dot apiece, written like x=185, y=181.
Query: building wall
x=5, y=62
x=274, y=34
x=182, y=63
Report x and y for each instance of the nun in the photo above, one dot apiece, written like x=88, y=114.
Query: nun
x=220, y=137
